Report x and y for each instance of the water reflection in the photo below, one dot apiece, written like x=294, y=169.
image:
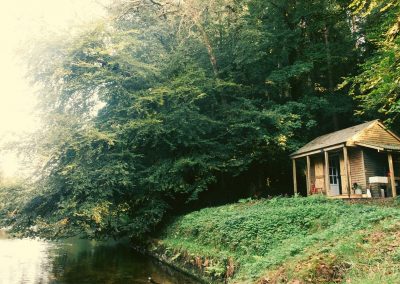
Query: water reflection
x=78, y=262
x=24, y=261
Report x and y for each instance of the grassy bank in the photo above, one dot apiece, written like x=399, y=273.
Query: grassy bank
x=287, y=240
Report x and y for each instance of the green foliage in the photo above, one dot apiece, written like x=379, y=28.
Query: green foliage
x=164, y=104
x=141, y=119
x=262, y=235
x=376, y=88
x=14, y=194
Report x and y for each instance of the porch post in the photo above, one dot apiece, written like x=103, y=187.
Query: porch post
x=308, y=175
x=391, y=169
x=326, y=178
x=346, y=170
x=294, y=176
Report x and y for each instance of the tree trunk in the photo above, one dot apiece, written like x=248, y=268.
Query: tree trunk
x=210, y=49
x=330, y=76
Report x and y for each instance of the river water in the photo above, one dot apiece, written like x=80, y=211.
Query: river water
x=27, y=261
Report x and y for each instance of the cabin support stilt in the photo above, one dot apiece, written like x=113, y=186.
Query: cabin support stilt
x=308, y=175
x=391, y=169
x=346, y=170
x=294, y=177
x=327, y=184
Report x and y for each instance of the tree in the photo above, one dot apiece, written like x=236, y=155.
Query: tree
x=376, y=87
x=169, y=105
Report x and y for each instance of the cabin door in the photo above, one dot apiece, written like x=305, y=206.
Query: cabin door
x=334, y=175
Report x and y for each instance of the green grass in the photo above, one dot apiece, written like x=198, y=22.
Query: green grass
x=309, y=240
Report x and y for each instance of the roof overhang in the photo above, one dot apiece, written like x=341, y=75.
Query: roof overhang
x=381, y=147
x=350, y=137
x=318, y=151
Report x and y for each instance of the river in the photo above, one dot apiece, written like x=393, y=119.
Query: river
x=28, y=261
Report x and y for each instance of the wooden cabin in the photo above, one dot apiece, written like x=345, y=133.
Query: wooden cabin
x=362, y=161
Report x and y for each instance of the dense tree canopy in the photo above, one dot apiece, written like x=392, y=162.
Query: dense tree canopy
x=170, y=105
x=377, y=87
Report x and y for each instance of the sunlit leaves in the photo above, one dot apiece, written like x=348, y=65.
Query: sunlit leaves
x=377, y=87
x=158, y=105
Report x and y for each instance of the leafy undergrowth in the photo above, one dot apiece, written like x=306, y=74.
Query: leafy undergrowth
x=287, y=240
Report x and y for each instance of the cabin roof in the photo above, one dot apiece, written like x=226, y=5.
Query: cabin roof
x=367, y=134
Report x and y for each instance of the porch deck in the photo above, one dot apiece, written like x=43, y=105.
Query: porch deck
x=354, y=196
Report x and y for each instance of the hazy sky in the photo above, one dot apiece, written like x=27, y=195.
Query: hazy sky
x=20, y=22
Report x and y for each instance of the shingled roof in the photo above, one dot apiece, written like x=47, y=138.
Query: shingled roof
x=355, y=135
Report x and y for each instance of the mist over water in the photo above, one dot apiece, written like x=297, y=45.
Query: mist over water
x=28, y=261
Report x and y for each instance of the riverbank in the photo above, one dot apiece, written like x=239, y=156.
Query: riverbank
x=286, y=240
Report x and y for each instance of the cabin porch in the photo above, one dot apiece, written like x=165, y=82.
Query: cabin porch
x=356, y=162
x=343, y=172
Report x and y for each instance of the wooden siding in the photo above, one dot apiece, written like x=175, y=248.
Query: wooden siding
x=319, y=173
x=342, y=174
x=363, y=163
x=357, y=172
x=375, y=163
x=377, y=135
x=396, y=161
x=312, y=171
